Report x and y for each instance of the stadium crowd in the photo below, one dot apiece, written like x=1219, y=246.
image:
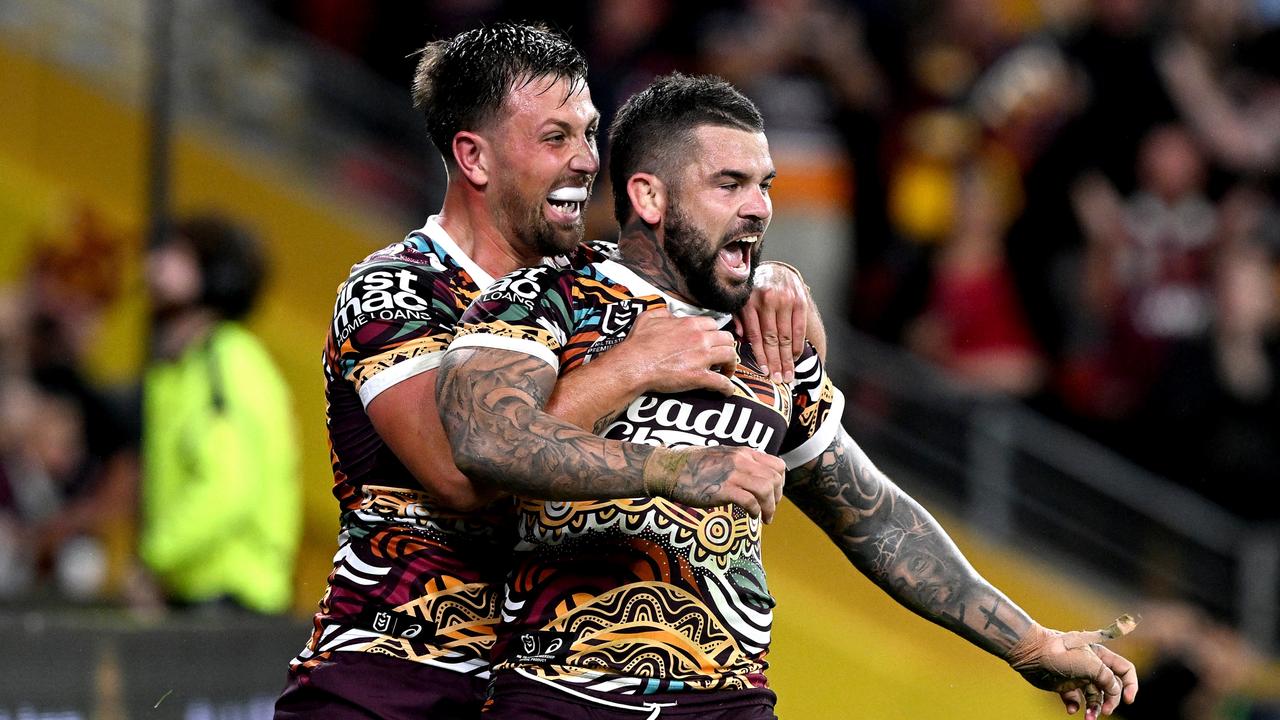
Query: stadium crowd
x=1074, y=203
x=1071, y=202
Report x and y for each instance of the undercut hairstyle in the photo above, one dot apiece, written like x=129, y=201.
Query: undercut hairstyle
x=653, y=130
x=461, y=83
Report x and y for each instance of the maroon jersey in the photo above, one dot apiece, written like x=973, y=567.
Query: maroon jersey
x=642, y=595
x=410, y=580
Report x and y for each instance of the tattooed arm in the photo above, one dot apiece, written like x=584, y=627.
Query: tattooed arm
x=491, y=403
x=899, y=546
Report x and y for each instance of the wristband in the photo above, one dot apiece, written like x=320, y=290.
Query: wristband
x=661, y=470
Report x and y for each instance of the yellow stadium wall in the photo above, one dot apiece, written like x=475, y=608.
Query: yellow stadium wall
x=842, y=649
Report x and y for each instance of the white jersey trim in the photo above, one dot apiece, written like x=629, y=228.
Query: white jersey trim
x=398, y=373
x=818, y=443
x=640, y=287
x=404, y=370
x=499, y=342
x=434, y=230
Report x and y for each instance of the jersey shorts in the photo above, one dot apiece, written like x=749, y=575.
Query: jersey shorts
x=642, y=595
x=410, y=580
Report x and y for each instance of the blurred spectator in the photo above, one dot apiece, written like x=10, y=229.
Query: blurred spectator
x=1146, y=276
x=221, y=500
x=1225, y=79
x=1216, y=406
x=973, y=325
x=58, y=493
x=1114, y=98
x=67, y=455
x=1201, y=670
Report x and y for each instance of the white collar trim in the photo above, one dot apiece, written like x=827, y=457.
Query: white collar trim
x=437, y=233
x=640, y=286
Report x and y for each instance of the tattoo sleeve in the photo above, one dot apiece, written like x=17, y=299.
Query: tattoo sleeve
x=491, y=407
x=899, y=546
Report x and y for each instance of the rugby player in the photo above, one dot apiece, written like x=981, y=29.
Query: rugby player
x=644, y=606
x=406, y=621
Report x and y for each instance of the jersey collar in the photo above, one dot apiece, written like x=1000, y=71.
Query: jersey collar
x=439, y=236
x=640, y=286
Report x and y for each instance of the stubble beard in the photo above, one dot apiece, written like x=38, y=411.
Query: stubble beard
x=532, y=229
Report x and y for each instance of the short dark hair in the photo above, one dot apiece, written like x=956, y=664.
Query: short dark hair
x=461, y=82
x=232, y=264
x=654, y=128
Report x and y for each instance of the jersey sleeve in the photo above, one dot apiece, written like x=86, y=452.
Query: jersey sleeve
x=816, y=410
x=529, y=311
x=391, y=322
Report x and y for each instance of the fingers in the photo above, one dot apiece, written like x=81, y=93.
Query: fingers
x=786, y=342
x=750, y=322
x=1122, y=626
x=718, y=379
x=768, y=506
x=779, y=490
x=773, y=347
x=773, y=470
x=749, y=502
x=722, y=363
x=799, y=329
x=1072, y=699
x=1123, y=670
x=1105, y=689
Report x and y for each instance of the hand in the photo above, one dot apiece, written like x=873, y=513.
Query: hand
x=1078, y=667
x=669, y=354
x=718, y=475
x=775, y=319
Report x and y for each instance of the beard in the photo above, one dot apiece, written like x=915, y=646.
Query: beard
x=695, y=256
x=532, y=229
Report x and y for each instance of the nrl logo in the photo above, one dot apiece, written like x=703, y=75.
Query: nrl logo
x=618, y=317
x=617, y=322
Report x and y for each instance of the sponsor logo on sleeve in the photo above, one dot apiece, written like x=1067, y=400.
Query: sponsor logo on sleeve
x=388, y=294
x=519, y=288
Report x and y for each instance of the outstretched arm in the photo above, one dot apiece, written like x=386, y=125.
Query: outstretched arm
x=491, y=403
x=897, y=544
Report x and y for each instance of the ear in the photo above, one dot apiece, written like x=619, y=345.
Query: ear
x=648, y=197
x=472, y=155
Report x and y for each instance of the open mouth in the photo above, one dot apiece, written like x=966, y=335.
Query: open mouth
x=736, y=256
x=566, y=203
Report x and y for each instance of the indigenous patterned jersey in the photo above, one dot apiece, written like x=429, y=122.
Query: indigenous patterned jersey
x=410, y=580
x=642, y=595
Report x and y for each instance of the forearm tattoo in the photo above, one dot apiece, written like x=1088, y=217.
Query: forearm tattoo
x=603, y=423
x=491, y=407
x=898, y=545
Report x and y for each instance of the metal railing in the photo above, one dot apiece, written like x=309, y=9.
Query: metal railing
x=1023, y=479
